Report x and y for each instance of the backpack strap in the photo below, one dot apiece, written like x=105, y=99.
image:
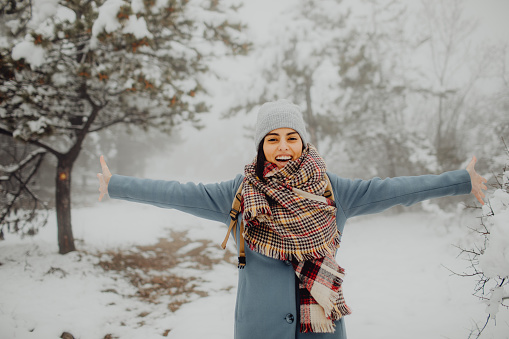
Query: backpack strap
x=329, y=194
x=234, y=215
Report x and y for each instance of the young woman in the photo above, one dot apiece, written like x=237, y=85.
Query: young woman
x=290, y=286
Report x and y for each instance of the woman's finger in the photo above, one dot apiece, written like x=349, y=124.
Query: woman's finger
x=105, y=169
x=102, y=186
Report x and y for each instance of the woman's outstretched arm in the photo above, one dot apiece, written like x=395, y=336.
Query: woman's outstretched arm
x=357, y=197
x=210, y=201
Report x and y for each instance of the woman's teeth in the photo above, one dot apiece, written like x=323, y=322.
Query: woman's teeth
x=284, y=158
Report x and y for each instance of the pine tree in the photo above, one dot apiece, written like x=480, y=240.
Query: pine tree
x=71, y=68
x=375, y=84
x=299, y=63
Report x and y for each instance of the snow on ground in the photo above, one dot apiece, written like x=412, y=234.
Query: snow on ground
x=396, y=282
x=45, y=294
x=399, y=280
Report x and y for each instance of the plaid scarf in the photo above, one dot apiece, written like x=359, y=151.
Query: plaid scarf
x=282, y=224
x=321, y=294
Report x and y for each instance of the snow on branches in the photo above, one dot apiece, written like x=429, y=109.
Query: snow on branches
x=489, y=255
x=494, y=258
x=20, y=206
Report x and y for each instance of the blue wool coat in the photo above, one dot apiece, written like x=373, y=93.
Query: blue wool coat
x=267, y=295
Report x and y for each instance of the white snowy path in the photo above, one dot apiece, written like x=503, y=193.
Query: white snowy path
x=395, y=284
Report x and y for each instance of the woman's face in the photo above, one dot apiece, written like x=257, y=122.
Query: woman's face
x=282, y=145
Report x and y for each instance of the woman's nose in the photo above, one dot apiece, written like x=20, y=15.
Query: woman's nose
x=283, y=145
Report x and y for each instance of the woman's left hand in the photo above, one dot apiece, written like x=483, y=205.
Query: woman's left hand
x=478, y=182
x=104, y=178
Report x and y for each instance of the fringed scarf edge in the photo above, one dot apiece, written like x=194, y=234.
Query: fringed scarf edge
x=271, y=252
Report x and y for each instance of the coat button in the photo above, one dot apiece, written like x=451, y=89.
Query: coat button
x=289, y=318
x=288, y=262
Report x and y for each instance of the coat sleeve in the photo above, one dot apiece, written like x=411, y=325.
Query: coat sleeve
x=209, y=201
x=357, y=197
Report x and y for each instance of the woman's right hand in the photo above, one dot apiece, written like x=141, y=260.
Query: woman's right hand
x=478, y=182
x=104, y=178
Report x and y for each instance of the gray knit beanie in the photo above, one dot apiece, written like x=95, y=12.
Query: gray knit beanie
x=279, y=114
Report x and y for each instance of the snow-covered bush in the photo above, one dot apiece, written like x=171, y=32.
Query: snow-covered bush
x=489, y=255
x=494, y=259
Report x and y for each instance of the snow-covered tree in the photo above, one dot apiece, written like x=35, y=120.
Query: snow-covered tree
x=298, y=63
x=377, y=120
x=455, y=75
x=349, y=74
x=75, y=67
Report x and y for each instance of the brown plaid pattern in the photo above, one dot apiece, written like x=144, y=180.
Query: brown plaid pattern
x=282, y=224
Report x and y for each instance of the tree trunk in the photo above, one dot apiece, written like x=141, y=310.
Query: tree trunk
x=63, y=205
x=63, y=180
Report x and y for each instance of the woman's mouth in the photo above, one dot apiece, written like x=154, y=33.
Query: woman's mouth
x=283, y=158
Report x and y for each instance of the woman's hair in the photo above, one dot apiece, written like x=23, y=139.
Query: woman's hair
x=260, y=161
